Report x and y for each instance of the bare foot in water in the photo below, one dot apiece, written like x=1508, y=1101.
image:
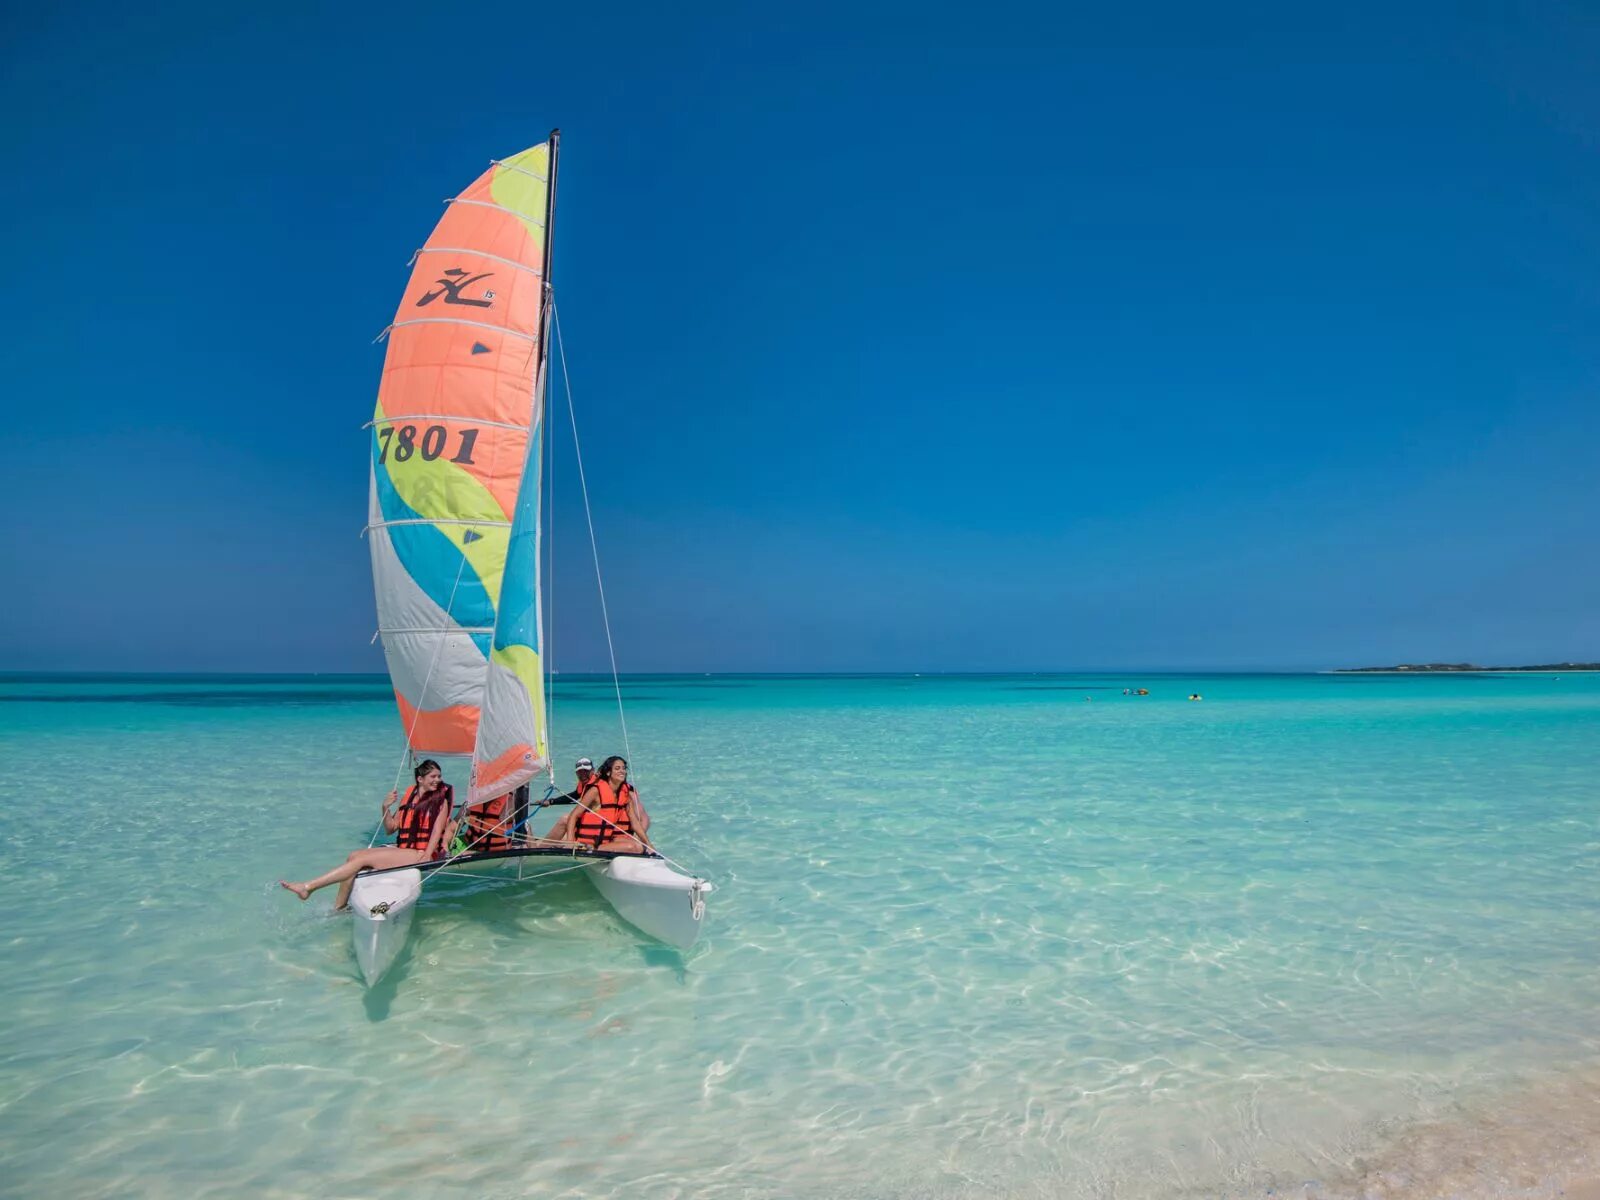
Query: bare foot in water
x=299, y=889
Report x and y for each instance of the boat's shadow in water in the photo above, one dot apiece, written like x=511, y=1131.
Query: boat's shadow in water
x=669, y=958
x=379, y=998
x=513, y=906
x=477, y=901
x=516, y=908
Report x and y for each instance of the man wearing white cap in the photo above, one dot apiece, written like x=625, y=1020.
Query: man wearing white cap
x=584, y=768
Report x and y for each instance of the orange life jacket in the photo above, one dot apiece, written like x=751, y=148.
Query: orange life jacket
x=416, y=820
x=489, y=825
x=605, y=818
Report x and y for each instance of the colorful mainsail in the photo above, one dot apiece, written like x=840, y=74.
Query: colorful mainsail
x=454, y=500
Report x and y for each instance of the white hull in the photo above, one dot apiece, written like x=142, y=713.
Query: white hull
x=653, y=898
x=645, y=892
x=381, y=907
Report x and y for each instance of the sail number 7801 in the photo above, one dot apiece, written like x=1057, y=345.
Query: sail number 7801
x=405, y=442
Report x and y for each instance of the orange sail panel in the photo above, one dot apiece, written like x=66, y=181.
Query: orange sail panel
x=459, y=408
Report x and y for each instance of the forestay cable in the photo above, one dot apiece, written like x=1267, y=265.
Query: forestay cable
x=588, y=516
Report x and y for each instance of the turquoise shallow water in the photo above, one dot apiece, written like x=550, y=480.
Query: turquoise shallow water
x=975, y=936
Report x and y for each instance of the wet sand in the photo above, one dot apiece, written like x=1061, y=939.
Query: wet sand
x=1540, y=1141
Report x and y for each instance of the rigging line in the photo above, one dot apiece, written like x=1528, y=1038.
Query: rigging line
x=640, y=838
x=594, y=549
x=652, y=850
x=463, y=827
x=588, y=516
x=422, y=700
x=475, y=875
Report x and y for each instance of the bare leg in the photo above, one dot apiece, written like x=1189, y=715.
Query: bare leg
x=626, y=843
x=359, y=860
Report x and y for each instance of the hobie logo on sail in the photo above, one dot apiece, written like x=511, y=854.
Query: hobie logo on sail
x=450, y=285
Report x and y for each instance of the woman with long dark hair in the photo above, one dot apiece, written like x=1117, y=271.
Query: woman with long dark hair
x=608, y=815
x=421, y=825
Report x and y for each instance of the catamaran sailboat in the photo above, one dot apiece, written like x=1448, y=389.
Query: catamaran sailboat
x=454, y=528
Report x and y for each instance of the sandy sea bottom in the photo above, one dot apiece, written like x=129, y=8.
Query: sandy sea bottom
x=974, y=937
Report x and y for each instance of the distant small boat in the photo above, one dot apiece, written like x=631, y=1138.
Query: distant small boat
x=454, y=524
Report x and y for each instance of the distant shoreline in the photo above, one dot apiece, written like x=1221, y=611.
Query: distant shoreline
x=1462, y=668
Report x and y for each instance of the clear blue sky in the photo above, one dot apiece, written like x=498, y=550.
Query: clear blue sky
x=966, y=338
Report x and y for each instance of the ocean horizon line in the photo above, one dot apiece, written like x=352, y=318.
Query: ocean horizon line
x=24, y=675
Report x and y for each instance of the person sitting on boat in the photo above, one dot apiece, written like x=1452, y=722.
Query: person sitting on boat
x=491, y=825
x=412, y=819
x=583, y=768
x=608, y=815
x=421, y=824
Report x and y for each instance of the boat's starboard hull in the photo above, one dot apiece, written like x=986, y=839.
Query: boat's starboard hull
x=653, y=898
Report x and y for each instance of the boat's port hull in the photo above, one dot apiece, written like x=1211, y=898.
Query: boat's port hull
x=381, y=907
